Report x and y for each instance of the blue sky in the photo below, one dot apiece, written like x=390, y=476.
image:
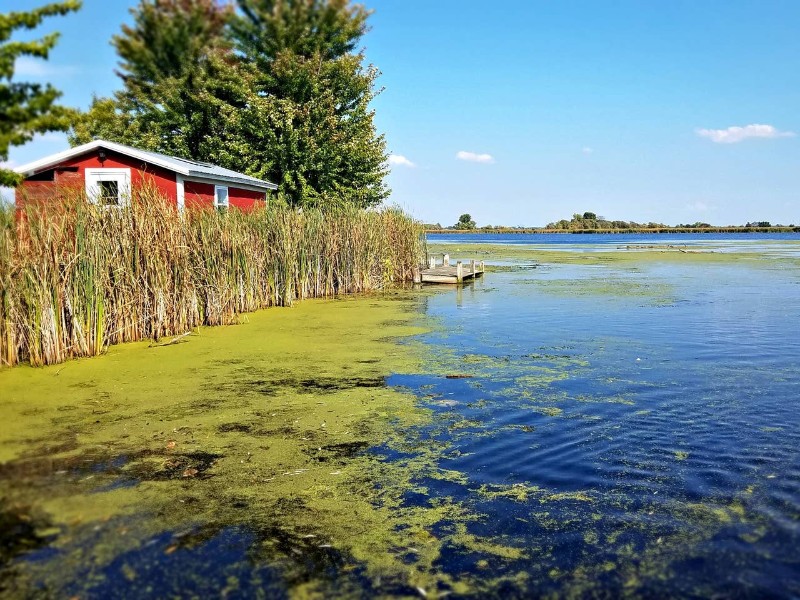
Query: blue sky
x=524, y=112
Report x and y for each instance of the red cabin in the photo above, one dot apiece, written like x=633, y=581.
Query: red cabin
x=108, y=171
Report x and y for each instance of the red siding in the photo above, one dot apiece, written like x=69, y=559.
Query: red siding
x=201, y=195
x=245, y=199
x=141, y=172
x=72, y=173
x=39, y=192
x=34, y=192
x=198, y=195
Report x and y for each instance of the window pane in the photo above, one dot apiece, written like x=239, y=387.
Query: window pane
x=222, y=196
x=109, y=193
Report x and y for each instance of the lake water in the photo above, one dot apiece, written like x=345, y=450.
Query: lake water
x=598, y=416
x=660, y=383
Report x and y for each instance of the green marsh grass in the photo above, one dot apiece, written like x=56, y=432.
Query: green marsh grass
x=76, y=277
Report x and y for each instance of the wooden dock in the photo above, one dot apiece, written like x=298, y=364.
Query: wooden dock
x=447, y=273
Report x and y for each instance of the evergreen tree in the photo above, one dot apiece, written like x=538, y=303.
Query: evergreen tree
x=181, y=85
x=169, y=39
x=289, y=104
x=331, y=28
x=27, y=108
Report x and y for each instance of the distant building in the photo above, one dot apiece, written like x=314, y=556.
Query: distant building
x=108, y=171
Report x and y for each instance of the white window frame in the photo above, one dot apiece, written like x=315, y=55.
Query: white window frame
x=217, y=203
x=93, y=178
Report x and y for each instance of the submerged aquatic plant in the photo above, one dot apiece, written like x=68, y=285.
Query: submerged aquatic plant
x=76, y=277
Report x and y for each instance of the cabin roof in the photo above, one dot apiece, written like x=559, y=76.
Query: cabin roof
x=185, y=167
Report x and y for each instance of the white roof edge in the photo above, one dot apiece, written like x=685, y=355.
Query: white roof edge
x=54, y=159
x=235, y=181
x=148, y=157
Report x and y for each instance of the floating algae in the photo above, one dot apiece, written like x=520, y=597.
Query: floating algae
x=258, y=434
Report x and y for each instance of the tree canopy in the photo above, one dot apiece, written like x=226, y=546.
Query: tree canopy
x=27, y=108
x=590, y=220
x=181, y=93
x=275, y=89
x=465, y=222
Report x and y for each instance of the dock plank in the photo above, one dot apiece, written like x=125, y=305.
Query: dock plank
x=447, y=273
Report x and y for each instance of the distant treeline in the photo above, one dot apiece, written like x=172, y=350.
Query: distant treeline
x=664, y=229
x=589, y=222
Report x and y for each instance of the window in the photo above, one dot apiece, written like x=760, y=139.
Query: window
x=221, y=196
x=108, y=187
x=109, y=193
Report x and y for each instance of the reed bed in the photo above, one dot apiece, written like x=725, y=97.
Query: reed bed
x=77, y=277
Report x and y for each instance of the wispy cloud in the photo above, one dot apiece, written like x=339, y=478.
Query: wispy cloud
x=587, y=150
x=698, y=206
x=26, y=66
x=475, y=157
x=733, y=135
x=400, y=160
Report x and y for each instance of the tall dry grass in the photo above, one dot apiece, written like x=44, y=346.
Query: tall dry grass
x=76, y=277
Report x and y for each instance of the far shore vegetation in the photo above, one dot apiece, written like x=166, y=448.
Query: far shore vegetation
x=590, y=222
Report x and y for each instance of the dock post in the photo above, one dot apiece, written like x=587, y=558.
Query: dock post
x=482, y=267
x=459, y=272
x=472, y=267
x=431, y=262
x=446, y=260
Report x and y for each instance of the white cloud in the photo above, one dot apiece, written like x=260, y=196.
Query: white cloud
x=587, y=150
x=733, y=135
x=474, y=157
x=698, y=206
x=400, y=160
x=26, y=66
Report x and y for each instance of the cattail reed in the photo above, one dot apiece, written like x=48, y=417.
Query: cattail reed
x=76, y=277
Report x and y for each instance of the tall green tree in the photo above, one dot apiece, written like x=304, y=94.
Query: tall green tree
x=27, y=108
x=277, y=90
x=465, y=221
x=169, y=38
x=320, y=136
x=182, y=90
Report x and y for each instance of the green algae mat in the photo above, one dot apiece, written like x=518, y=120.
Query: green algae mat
x=236, y=460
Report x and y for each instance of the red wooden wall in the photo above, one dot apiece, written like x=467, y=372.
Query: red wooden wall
x=201, y=195
x=71, y=173
x=198, y=195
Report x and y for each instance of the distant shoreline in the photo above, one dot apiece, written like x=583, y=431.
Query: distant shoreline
x=537, y=230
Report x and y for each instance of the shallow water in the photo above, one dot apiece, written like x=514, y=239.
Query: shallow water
x=583, y=421
x=632, y=415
